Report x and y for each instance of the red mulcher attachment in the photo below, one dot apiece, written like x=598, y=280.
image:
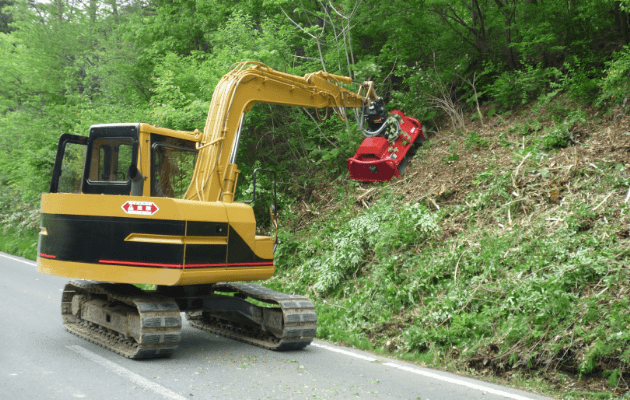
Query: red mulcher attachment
x=378, y=160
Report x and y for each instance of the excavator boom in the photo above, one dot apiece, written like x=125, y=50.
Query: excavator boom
x=237, y=92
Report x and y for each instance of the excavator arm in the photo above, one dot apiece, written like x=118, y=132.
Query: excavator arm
x=215, y=175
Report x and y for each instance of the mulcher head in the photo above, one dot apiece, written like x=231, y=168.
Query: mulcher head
x=383, y=156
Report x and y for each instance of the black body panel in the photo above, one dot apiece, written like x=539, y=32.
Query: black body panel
x=93, y=239
x=101, y=240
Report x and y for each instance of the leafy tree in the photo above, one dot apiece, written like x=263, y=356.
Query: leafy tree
x=67, y=64
x=5, y=17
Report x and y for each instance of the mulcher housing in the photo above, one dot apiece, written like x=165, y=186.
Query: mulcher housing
x=379, y=160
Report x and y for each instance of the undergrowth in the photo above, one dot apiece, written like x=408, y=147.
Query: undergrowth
x=535, y=282
x=19, y=242
x=19, y=221
x=531, y=297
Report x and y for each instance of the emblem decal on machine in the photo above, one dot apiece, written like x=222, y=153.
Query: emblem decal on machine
x=140, y=207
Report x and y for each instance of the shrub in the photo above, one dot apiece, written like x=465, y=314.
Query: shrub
x=615, y=85
x=519, y=87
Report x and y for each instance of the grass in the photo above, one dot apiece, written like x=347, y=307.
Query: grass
x=22, y=243
x=495, y=302
x=532, y=286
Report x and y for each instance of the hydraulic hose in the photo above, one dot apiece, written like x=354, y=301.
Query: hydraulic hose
x=368, y=133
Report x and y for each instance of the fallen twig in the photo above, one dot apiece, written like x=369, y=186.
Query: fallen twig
x=457, y=266
x=515, y=174
x=603, y=201
x=522, y=161
x=434, y=203
x=364, y=195
x=405, y=179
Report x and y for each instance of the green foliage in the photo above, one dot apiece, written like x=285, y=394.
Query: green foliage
x=371, y=236
x=615, y=85
x=521, y=86
x=474, y=140
x=9, y=83
x=561, y=135
x=581, y=80
x=5, y=18
x=176, y=101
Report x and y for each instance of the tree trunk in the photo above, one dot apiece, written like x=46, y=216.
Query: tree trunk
x=480, y=34
x=92, y=9
x=59, y=8
x=508, y=46
x=509, y=16
x=622, y=21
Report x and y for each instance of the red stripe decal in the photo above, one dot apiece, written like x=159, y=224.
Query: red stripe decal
x=141, y=264
x=204, y=265
x=46, y=255
x=180, y=266
x=264, y=263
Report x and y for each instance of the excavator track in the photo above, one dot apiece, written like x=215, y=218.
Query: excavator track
x=155, y=320
x=298, y=324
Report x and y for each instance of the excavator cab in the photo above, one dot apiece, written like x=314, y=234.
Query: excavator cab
x=112, y=153
x=106, y=162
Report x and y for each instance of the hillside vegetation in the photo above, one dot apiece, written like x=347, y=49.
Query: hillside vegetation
x=499, y=252
x=503, y=250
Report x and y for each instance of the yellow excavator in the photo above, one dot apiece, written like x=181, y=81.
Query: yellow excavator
x=134, y=204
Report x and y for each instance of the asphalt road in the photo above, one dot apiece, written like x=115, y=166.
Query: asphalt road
x=39, y=359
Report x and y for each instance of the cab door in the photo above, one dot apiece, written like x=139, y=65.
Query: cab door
x=69, y=164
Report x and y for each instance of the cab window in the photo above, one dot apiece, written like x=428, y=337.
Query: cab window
x=173, y=163
x=111, y=159
x=107, y=169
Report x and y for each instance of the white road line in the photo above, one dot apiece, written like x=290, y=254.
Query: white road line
x=125, y=373
x=456, y=381
x=348, y=353
x=18, y=260
x=426, y=373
